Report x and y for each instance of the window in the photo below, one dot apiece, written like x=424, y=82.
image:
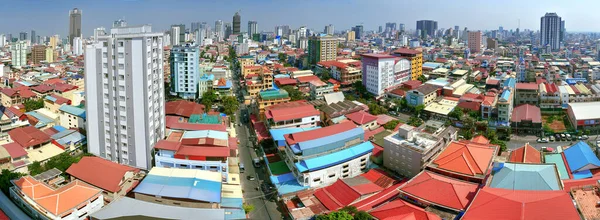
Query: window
x=332, y=175
x=316, y=180
x=120, y=43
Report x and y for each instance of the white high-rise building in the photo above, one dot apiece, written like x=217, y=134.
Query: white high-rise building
x=77, y=46
x=550, y=31
x=219, y=30
x=252, y=28
x=19, y=53
x=329, y=29
x=200, y=36
x=175, y=35
x=2, y=40
x=99, y=32
x=125, y=101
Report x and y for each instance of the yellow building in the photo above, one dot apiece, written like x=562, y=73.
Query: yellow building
x=53, y=42
x=49, y=55
x=246, y=61
x=271, y=97
x=262, y=80
x=416, y=60
x=350, y=36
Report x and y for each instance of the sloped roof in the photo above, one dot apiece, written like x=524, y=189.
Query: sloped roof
x=519, y=176
x=28, y=136
x=441, y=190
x=290, y=110
x=14, y=150
x=361, y=117
x=503, y=204
x=526, y=112
x=525, y=154
x=580, y=157
x=319, y=133
x=480, y=139
x=192, y=184
x=401, y=210
x=336, y=195
x=99, y=172
x=466, y=157
x=183, y=108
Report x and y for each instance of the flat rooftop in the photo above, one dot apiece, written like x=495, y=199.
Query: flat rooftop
x=587, y=200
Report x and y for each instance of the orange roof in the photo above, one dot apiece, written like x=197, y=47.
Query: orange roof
x=525, y=154
x=441, y=190
x=57, y=201
x=361, y=117
x=480, y=139
x=99, y=172
x=466, y=157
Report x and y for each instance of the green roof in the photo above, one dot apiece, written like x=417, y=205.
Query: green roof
x=560, y=164
x=378, y=138
x=279, y=168
x=205, y=119
x=274, y=94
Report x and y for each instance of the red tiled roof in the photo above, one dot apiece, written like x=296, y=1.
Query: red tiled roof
x=336, y=195
x=413, y=83
x=441, y=190
x=475, y=106
x=291, y=110
x=63, y=87
x=551, y=88
x=498, y=203
x=466, y=157
x=488, y=100
x=286, y=81
x=406, y=51
x=61, y=100
x=379, y=177
x=167, y=145
x=377, y=55
x=527, y=86
x=43, y=88
x=307, y=79
x=384, y=119
x=53, y=81
x=319, y=133
x=525, y=154
x=183, y=108
x=361, y=117
x=401, y=210
x=398, y=92
x=15, y=150
x=378, y=198
x=101, y=173
x=526, y=112
x=28, y=136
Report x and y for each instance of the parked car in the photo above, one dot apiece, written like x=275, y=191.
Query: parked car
x=568, y=137
x=551, y=138
x=557, y=137
x=242, y=169
x=563, y=137
x=251, y=178
x=585, y=137
x=542, y=140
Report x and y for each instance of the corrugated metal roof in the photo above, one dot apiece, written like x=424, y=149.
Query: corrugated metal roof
x=580, y=157
x=73, y=110
x=526, y=177
x=331, y=142
x=127, y=207
x=335, y=158
x=206, y=134
x=192, y=184
x=557, y=160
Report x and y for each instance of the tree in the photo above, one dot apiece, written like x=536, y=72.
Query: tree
x=5, y=179
x=33, y=104
x=414, y=121
x=419, y=109
x=248, y=208
x=362, y=215
x=456, y=113
x=360, y=88
x=208, y=99
x=325, y=75
x=376, y=109
x=422, y=78
x=230, y=105
x=35, y=168
x=500, y=143
x=282, y=57
x=547, y=129
x=337, y=215
x=391, y=125
x=294, y=93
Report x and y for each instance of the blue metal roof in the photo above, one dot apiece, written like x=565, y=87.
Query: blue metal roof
x=277, y=134
x=573, y=81
x=206, y=134
x=331, y=142
x=289, y=187
x=580, y=157
x=582, y=175
x=72, y=110
x=510, y=82
x=207, y=77
x=52, y=99
x=43, y=120
x=282, y=178
x=335, y=158
x=233, y=208
x=505, y=95
x=515, y=176
x=59, y=128
x=180, y=187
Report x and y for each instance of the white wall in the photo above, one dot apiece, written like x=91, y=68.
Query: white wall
x=354, y=169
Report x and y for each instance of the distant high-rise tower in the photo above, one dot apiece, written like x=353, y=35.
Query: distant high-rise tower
x=402, y=28
x=33, y=37
x=19, y=53
x=228, y=30
x=550, y=31
x=252, y=28
x=236, y=23
x=119, y=23
x=124, y=90
x=195, y=27
x=329, y=29
x=23, y=36
x=321, y=48
x=177, y=34
x=427, y=27
x=563, y=31
x=219, y=30
x=358, y=30
x=74, y=24
x=474, y=41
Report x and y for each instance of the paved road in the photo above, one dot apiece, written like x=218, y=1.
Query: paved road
x=518, y=141
x=263, y=207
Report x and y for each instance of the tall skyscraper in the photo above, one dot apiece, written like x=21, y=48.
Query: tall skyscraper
x=329, y=29
x=125, y=95
x=219, y=30
x=77, y=46
x=74, y=24
x=38, y=54
x=236, y=23
x=2, y=40
x=427, y=27
x=175, y=35
x=550, y=31
x=563, y=31
x=195, y=27
x=228, y=30
x=474, y=42
x=18, y=52
x=33, y=37
x=402, y=28
x=252, y=28
x=358, y=30
x=322, y=48
x=23, y=36
x=184, y=71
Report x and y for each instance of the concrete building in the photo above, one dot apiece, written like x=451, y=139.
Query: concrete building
x=550, y=31
x=527, y=93
x=38, y=54
x=252, y=28
x=236, y=23
x=549, y=96
x=72, y=117
x=491, y=43
x=321, y=156
x=49, y=54
x=378, y=73
x=184, y=71
x=408, y=151
x=345, y=71
x=219, y=30
x=271, y=97
x=319, y=88
x=350, y=36
x=74, y=24
x=474, y=41
x=422, y=95
x=416, y=61
x=296, y=114
x=427, y=28
x=322, y=48
x=329, y=29
x=18, y=52
x=77, y=46
x=526, y=119
x=584, y=115
x=506, y=100
x=177, y=34
x=125, y=95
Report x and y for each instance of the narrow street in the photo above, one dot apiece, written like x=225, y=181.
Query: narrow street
x=263, y=207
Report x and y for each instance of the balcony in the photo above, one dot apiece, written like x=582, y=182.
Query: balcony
x=166, y=161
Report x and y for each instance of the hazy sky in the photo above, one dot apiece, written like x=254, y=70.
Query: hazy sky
x=48, y=17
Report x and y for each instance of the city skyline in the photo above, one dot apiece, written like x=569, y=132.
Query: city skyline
x=50, y=17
